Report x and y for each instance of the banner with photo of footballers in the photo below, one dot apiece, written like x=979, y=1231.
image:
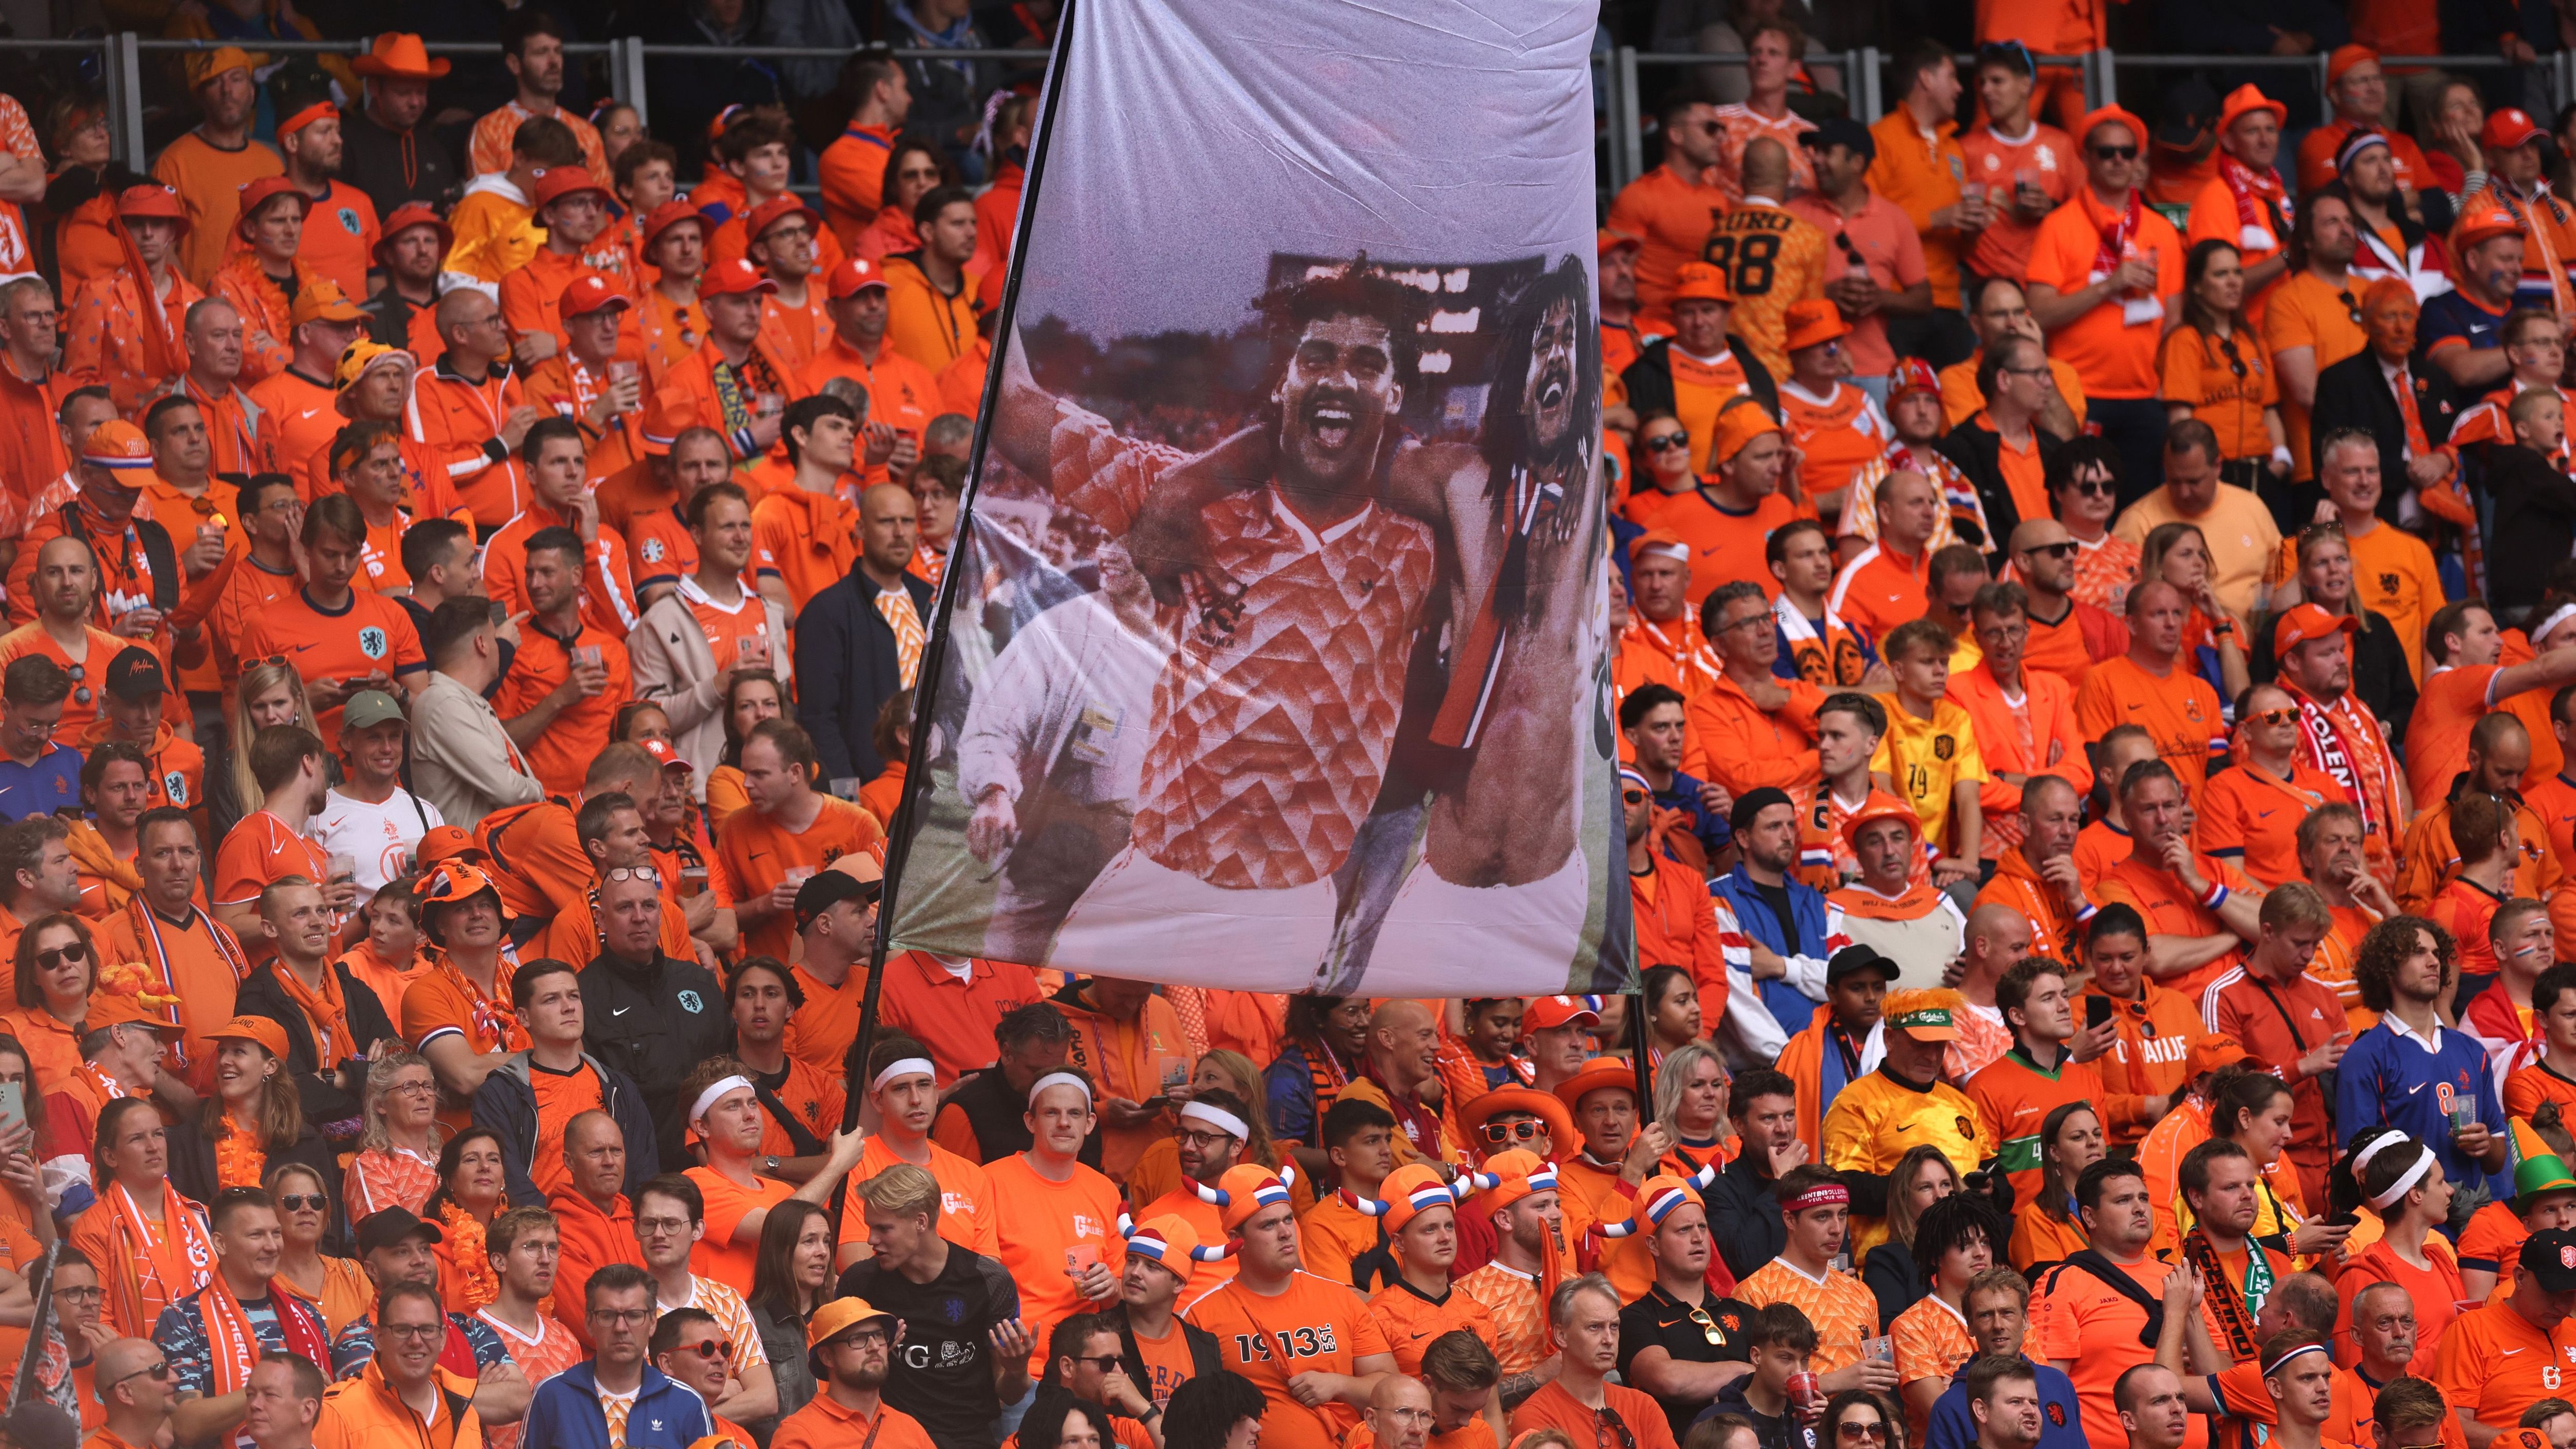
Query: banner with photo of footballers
x=1275, y=654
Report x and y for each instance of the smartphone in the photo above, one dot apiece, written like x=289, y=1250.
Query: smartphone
x=2097, y=1010
x=2344, y=1220
x=500, y=615
x=13, y=1105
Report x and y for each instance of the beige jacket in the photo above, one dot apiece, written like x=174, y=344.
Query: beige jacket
x=675, y=668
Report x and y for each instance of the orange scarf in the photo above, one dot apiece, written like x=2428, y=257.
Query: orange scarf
x=474, y=1286
x=178, y=1266
x=496, y=1026
x=233, y=1345
x=162, y=352
x=239, y=1159
x=328, y=1010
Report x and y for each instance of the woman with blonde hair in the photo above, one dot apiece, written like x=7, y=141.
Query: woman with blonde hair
x=269, y=693
x=397, y=1160
x=1690, y=1100
x=337, y=1287
x=2178, y=553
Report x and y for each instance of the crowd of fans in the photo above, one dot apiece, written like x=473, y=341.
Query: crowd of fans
x=2094, y=691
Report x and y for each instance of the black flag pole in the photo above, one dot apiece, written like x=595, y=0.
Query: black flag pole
x=935, y=656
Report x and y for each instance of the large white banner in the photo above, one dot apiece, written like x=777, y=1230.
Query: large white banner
x=1276, y=655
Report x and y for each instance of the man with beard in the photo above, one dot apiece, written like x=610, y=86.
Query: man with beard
x=386, y=157
x=2387, y=241
x=848, y=1344
x=340, y=225
x=1198, y=845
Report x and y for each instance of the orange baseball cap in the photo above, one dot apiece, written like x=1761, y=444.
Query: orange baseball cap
x=118, y=446
x=260, y=1029
x=2110, y=115
x=734, y=277
x=323, y=301
x=1702, y=282
x=411, y=214
x=443, y=843
x=855, y=276
x=152, y=200
x=1737, y=427
x=557, y=182
x=1911, y=374
x=1814, y=322
x=1931, y=1015
x=257, y=194
x=2305, y=623
x=1879, y=806
x=2344, y=57
x=205, y=65
x=1662, y=542
x=1547, y=1013
x=2508, y=127
x=2215, y=1050
x=1612, y=241
x=2244, y=101
x=2483, y=223
x=590, y=292
x=775, y=210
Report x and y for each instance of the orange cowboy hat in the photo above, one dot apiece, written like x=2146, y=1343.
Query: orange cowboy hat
x=1598, y=1074
x=1485, y=1106
x=398, y=56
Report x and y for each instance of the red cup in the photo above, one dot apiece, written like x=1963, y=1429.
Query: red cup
x=1805, y=1391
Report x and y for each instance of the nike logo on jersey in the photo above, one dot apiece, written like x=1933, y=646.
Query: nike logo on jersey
x=2411, y=1091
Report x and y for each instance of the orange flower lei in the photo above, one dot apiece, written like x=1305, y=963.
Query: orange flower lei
x=239, y=1159
x=474, y=1286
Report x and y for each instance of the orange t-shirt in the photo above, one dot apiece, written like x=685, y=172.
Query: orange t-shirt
x=1726, y=546
x=717, y=1255
x=966, y=1207
x=340, y=236
x=2083, y=1323
x=2486, y=1365
x=371, y=634
x=2303, y=311
x=2179, y=710
x=1671, y=218
x=1408, y=1321
x=820, y=1032
x=1315, y=1325
x=812, y=538
x=202, y=961
x=1837, y=434
x=89, y=672
x=1931, y=1341
x=2168, y=911
x=952, y=1016
x=2227, y=392
x=2112, y=347
x=561, y=1096
x=2527, y=1088
x=2437, y=737
x=257, y=851
x=2044, y=157
x=757, y=850
x=561, y=756
x=2252, y=816
x=1879, y=590
x=1043, y=1226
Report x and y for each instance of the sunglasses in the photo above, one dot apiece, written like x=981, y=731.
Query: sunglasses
x=2114, y=153
x=297, y=1202
x=159, y=1371
x=1708, y=1328
x=1850, y=253
x=1665, y=443
x=2235, y=362
x=1504, y=1133
x=2349, y=305
x=60, y=954
x=1105, y=1362
x=709, y=1349
x=1850, y=1430
x=2053, y=550
x=2272, y=717
x=1633, y=797
x=2090, y=487
x=644, y=873
x=1608, y=1419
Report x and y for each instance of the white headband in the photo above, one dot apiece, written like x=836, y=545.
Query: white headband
x=908, y=1067
x=2561, y=615
x=717, y=1089
x=1059, y=1079
x=2275, y=1365
x=2361, y=1159
x=1216, y=1117
x=2405, y=1180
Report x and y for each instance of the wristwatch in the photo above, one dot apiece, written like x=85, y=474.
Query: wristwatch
x=769, y=1164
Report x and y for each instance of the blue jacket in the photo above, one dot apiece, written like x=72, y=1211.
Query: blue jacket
x=846, y=670
x=565, y=1413
x=1788, y=1005
x=506, y=1104
x=2061, y=1422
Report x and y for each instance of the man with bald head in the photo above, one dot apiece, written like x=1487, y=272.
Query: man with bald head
x=1882, y=586
x=65, y=584
x=2499, y=755
x=468, y=412
x=1400, y=1414
x=2153, y=686
x=1403, y=1058
x=2037, y=878
x=1998, y=939
x=593, y=1215
x=213, y=334
x=859, y=642
x=140, y=1387
x=2066, y=634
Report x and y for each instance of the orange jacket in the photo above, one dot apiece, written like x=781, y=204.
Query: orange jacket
x=1742, y=746
x=268, y=331
x=924, y=323
x=695, y=376
x=812, y=538
x=31, y=442
x=853, y=175
x=104, y=343
x=458, y=422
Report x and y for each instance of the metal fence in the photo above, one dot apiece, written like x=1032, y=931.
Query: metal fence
x=1631, y=87
x=1624, y=76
